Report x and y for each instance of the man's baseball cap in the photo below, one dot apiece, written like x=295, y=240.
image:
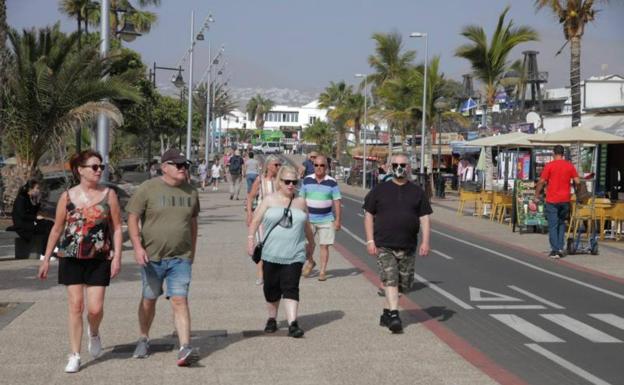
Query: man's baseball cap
x=174, y=155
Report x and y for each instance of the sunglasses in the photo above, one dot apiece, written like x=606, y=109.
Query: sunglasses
x=288, y=182
x=395, y=165
x=320, y=165
x=94, y=167
x=286, y=220
x=179, y=166
x=277, y=164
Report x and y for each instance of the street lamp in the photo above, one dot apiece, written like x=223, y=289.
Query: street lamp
x=424, y=104
x=209, y=89
x=102, y=124
x=365, y=129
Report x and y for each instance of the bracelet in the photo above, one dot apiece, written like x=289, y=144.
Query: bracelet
x=371, y=241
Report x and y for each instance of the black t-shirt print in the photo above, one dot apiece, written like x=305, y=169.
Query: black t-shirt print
x=397, y=210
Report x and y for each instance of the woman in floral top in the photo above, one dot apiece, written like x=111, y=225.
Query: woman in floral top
x=88, y=224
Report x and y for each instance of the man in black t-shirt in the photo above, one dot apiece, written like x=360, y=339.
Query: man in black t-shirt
x=395, y=211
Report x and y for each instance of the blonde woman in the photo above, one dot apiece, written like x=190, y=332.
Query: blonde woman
x=263, y=186
x=285, y=249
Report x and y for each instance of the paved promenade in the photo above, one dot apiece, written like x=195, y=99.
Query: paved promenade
x=343, y=342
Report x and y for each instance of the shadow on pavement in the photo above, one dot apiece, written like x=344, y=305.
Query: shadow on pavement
x=26, y=277
x=335, y=273
x=438, y=313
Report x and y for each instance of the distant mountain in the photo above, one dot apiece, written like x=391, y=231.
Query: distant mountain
x=282, y=96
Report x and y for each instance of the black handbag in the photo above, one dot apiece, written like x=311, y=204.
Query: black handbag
x=257, y=253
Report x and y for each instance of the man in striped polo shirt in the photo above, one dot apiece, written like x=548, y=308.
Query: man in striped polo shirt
x=321, y=192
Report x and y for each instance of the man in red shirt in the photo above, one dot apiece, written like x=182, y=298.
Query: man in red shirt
x=556, y=176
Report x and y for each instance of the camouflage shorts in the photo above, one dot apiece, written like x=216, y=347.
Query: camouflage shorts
x=396, y=267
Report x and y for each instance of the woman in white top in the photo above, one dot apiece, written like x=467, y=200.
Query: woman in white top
x=216, y=174
x=263, y=186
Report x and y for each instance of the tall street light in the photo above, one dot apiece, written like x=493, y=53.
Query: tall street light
x=208, y=134
x=102, y=123
x=424, y=105
x=365, y=128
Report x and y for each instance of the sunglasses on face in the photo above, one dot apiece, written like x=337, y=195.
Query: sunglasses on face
x=288, y=182
x=277, y=164
x=395, y=165
x=179, y=166
x=320, y=165
x=94, y=167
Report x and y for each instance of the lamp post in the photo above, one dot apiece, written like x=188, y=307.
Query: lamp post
x=365, y=128
x=424, y=103
x=102, y=123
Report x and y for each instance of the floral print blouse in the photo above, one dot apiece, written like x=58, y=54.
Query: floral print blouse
x=87, y=233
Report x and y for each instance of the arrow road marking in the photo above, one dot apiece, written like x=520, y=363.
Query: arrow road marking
x=580, y=328
x=526, y=328
x=536, y=297
x=476, y=295
x=443, y=292
x=567, y=364
x=531, y=266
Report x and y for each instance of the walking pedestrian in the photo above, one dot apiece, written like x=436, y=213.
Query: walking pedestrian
x=307, y=167
x=395, y=212
x=321, y=193
x=27, y=219
x=262, y=187
x=164, y=247
x=236, y=171
x=251, y=169
x=202, y=171
x=284, y=215
x=88, y=219
x=215, y=172
x=556, y=176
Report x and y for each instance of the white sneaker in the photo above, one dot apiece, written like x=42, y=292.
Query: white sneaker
x=73, y=363
x=94, y=345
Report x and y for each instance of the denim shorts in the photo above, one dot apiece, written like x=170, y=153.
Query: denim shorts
x=176, y=272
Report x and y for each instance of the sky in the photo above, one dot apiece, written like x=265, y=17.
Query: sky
x=306, y=44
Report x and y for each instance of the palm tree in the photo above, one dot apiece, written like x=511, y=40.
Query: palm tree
x=489, y=60
x=319, y=132
x=53, y=88
x=222, y=103
x=573, y=15
x=333, y=99
x=256, y=108
x=89, y=12
x=389, y=62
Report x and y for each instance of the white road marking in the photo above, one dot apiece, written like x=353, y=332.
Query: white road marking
x=511, y=307
x=524, y=327
x=6, y=246
x=443, y=292
x=567, y=364
x=580, y=328
x=530, y=265
x=441, y=254
x=353, y=235
x=611, y=319
x=536, y=297
x=476, y=295
x=351, y=199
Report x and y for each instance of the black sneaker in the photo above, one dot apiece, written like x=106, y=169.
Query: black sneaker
x=554, y=255
x=384, y=319
x=187, y=356
x=271, y=326
x=294, y=330
x=231, y=197
x=561, y=253
x=394, y=324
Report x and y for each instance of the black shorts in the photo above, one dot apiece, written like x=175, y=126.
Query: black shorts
x=281, y=281
x=92, y=272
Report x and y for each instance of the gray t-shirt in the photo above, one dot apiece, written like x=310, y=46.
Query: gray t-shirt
x=166, y=212
x=253, y=166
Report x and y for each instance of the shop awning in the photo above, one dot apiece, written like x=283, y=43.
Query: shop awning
x=579, y=134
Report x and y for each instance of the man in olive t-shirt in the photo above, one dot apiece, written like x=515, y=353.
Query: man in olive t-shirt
x=164, y=247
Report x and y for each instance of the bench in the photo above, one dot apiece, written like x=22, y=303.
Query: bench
x=25, y=248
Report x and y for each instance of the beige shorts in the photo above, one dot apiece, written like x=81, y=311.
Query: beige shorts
x=326, y=232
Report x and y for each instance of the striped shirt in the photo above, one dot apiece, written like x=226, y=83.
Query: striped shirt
x=320, y=197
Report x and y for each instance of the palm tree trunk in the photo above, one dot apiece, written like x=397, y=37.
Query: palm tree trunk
x=575, y=79
x=338, y=145
x=357, y=127
x=3, y=54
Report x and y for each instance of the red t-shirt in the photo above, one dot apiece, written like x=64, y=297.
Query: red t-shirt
x=557, y=174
